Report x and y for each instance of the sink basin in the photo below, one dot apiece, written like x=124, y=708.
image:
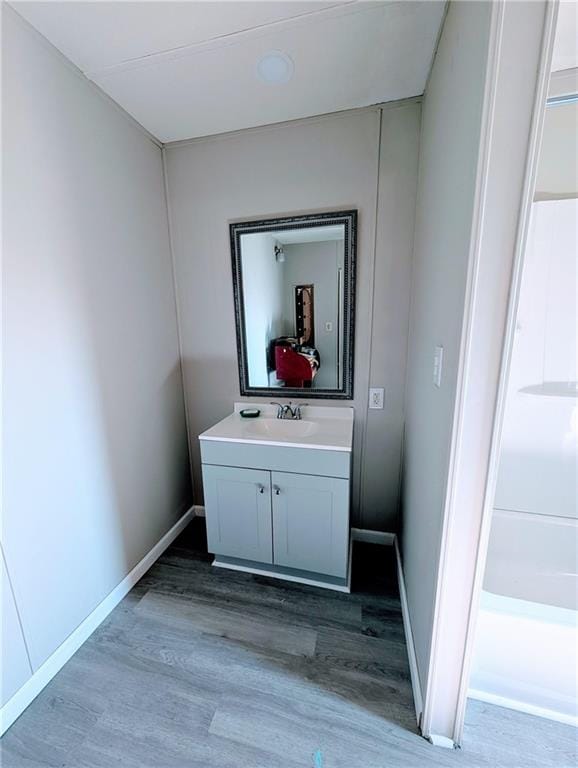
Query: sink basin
x=324, y=428
x=280, y=428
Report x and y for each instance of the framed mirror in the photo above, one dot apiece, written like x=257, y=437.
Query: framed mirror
x=294, y=291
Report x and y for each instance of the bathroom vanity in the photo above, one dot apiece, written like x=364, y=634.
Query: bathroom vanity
x=277, y=494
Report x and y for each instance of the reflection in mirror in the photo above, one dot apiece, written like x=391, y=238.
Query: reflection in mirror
x=294, y=301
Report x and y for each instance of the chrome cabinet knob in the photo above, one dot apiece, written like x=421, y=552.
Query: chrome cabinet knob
x=261, y=488
x=277, y=490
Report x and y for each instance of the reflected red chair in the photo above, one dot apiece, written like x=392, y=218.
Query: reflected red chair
x=292, y=368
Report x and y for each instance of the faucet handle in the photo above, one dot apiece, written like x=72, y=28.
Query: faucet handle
x=279, y=409
x=298, y=410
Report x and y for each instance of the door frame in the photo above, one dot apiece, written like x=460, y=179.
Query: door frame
x=521, y=41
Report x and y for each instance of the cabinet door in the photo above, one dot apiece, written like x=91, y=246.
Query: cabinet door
x=238, y=511
x=311, y=523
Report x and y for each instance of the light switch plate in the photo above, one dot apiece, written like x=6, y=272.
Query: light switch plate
x=437, y=366
x=376, y=398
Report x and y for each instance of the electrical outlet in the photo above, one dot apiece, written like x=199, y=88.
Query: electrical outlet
x=376, y=398
x=437, y=366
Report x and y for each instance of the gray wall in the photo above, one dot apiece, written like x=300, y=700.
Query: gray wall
x=263, y=302
x=16, y=667
x=558, y=166
x=447, y=173
x=95, y=461
x=319, y=164
x=317, y=263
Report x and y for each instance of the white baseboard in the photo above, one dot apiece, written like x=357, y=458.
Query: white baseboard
x=441, y=741
x=44, y=674
x=409, y=641
x=198, y=510
x=372, y=537
x=521, y=706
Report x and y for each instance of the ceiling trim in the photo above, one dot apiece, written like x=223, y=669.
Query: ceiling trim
x=380, y=106
x=437, y=45
x=234, y=38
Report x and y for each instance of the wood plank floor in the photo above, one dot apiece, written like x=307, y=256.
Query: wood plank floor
x=202, y=667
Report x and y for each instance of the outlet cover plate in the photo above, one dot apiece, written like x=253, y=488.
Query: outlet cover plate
x=438, y=366
x=376, y=398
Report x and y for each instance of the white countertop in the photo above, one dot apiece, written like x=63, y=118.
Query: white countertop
x=320, y=428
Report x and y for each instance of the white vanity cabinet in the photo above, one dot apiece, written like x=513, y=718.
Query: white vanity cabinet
x=278, y=507
x=292, y=520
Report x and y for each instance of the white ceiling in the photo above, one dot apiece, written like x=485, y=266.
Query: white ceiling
x=188, y=69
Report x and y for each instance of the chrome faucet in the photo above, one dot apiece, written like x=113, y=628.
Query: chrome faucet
x=297, y=413
x=280, y=410
x=287, y=412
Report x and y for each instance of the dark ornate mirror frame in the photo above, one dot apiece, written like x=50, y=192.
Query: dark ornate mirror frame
x=347, y=218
